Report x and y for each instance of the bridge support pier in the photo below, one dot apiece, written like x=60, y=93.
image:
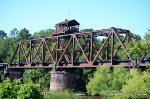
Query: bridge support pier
x=62, y=80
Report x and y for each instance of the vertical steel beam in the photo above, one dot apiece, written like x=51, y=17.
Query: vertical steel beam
x=19, y=53
x=43, y=51
x=73, y=50
x=30, y=53
x=107, y=50
x=57, y=47
x=128, y=37
x=112, y=47
x=91, y=48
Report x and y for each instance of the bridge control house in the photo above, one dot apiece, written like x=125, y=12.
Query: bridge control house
x=67, y=26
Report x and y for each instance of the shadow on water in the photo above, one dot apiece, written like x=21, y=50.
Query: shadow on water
x=91, y=97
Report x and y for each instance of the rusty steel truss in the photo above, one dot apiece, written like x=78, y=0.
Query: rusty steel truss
x=77, y=50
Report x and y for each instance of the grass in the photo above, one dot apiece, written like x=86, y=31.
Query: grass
x=66, y=94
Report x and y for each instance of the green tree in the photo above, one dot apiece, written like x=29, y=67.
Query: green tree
x=8, y=89
x=37, y=76
x=136, y=37
x=7, y=47
x=137, y=49
x=14, y=33
x=120, y=76
x=106, y=82
x=138, y=85
x=16, y=90
x=2, y=34
x=24, y=34
x=100, y=83
x=147, y=36
x=87, y=30
x=147, y=40
x=29, y=91
x=43, y=33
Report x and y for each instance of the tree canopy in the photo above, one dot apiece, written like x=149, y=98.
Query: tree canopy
x=14, y=33
x=24, y=34
x=2, y=34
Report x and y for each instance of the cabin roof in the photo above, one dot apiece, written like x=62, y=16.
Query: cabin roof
x=69, y=23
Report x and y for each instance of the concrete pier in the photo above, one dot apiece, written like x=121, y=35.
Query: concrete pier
x=62, y=80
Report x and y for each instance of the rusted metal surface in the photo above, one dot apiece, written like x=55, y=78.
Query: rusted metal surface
x=67, y=26
x=74, y=49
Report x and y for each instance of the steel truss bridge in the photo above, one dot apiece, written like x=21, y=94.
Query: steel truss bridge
x=76, y=50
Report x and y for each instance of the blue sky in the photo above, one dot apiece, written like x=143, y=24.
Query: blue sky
x=36, y=15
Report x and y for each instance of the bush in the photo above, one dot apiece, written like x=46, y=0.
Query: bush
x=106, y=82
x=119, y=83
x=119, y=77
x=29, y=91
x=9, y=89
x=138, y=86
x=100, y=83
x=16, y=90
x=37, y=76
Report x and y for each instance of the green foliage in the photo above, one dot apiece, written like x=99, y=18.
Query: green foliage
x=138, y=86
x=14, y=33
x=16, y=90
x=136, y=37
x=100, y=83
x=119, y=83
x=137, y=49
x=147, y=36
x=43, y=33
x=37, y=76
x=107, y=82
x=9, y=89
x=120, y=75
x=29, y=91
x=2, y=34
x=7, y=47
x=61, y=95
x=87, y=30
x=23, y=34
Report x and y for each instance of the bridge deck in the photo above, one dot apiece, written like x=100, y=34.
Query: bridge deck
x=83, y=66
